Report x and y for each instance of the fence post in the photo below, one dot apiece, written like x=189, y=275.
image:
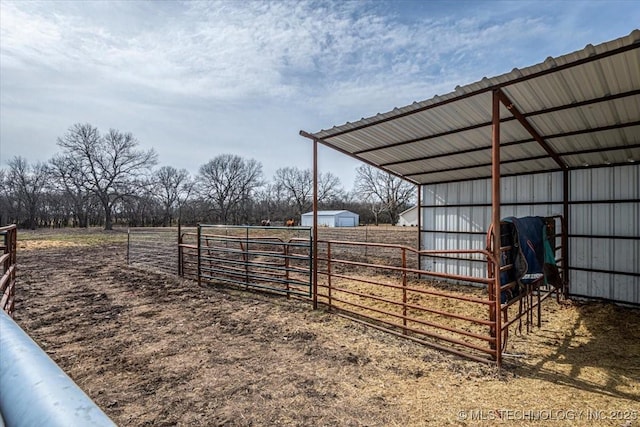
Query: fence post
x=128, y=245
x=404, y=290
x=285, y=253
x=180, y=270
x=199, y=245
x=246, y=259
x=329, y=273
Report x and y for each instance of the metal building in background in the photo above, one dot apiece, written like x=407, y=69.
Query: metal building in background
x=340, y=218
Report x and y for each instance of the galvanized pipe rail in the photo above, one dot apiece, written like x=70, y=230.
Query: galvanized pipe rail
x=34, y=391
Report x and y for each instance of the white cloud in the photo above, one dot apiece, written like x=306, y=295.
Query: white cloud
x=246, y=74
x=234, y=49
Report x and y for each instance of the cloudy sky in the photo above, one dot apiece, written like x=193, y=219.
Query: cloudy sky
x=195, y=80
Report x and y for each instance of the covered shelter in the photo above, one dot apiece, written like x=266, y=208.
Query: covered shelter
x=557, y=138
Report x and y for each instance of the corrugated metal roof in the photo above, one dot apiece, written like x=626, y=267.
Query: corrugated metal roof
x=584, y=105
x=329, y=213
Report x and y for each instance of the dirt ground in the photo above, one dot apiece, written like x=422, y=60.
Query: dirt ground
x=152, y=349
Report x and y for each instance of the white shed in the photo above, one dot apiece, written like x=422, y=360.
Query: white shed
x=408, y=218
x=331, y=219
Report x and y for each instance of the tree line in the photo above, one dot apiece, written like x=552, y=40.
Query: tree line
x=102, y=179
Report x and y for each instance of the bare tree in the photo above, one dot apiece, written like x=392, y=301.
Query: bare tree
x=227, y=181
x=174, y=187
x=27, y=185
x=270, y=202
x=298, y=187
x=329, y=188
x=380, y=188
x=66, y=171
x=5, y=204
x=110, y=165
x=376, y=208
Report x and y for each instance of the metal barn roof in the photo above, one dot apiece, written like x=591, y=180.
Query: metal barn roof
x=573, y=111
x=330, y=213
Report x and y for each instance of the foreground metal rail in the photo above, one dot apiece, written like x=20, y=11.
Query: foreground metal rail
x=34, y=391
x=8, y=260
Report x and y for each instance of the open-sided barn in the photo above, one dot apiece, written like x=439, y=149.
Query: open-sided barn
x=557, y=138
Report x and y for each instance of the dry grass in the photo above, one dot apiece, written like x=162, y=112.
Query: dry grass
x=155, y=350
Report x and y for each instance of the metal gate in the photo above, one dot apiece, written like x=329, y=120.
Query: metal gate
x=275, y=259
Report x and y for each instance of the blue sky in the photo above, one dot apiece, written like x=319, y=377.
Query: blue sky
x=195, y=80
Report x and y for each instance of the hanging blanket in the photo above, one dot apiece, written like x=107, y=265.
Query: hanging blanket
x=533, y=257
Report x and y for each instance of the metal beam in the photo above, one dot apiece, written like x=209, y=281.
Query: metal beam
x=315, y=225
x=495, y=221
x=525, y=123
x=528, y=140
x=375, y=165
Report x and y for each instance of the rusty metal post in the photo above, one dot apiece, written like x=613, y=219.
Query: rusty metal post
x=315, y=224
x=495, y=218
x=180, y=269
x=128, y=245
x=419, y=229
x=285, y=253
x=329, y=273
x=199, y=245
x=246, y=259
x=404, y=290
x=564, y=229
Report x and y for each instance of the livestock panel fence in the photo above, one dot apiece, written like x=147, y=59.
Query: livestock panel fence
x=8, y=260
x=381, y=284
x=391, y=294
x=274, y=259
x=153, y=248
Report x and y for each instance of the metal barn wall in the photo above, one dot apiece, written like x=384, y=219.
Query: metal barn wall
x=604, y=224
x=604, y=233
x=331, y=219
x=457, y=215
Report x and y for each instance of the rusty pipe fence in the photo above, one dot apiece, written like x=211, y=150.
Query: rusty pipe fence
x=392, y=293
x=8, y=260
x=274, y=259
x=379, y=284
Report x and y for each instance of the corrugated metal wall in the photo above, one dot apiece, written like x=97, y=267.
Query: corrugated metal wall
x=604, y=224
x=604, y=233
